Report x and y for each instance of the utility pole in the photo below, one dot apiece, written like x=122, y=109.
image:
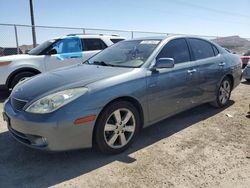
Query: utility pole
x=33, y=24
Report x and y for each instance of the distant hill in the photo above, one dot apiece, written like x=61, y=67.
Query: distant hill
x=234, y=43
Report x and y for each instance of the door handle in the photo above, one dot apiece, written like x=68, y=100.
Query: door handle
x=222, y=64
x=191, y=71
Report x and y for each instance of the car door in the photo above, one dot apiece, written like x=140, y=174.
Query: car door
x=65, y=52
x=171, y=90
x=91, y=46
x=210, y=65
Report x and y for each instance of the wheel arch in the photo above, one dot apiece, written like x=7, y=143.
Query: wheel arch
x=130, y=99
x=17, y=71
x=230, y=76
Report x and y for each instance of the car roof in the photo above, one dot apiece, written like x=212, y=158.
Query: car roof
x=94, y=36
x=151, y=38
x=170, y=37
x=162, y=37
x=97, y=36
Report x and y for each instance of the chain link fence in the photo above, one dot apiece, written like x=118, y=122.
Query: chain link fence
x=17, y=39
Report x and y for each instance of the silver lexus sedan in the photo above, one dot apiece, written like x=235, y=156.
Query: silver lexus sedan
x=105, y=101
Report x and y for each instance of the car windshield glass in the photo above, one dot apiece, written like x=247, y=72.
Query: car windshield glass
x=132, y=53
x=40, y=48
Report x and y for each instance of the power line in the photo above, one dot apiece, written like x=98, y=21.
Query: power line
x=201, y=17
x=233, y=14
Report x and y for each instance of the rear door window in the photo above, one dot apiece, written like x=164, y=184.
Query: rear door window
x=201, y=49
x=93, y=44
x=176, y=49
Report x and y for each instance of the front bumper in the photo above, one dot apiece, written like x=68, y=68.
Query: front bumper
x=52, y=132
x=246, y=73
x=4, y=73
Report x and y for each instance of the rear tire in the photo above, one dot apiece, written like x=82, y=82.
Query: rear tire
x=117, y=127
x=223, y=93
x=19, y=77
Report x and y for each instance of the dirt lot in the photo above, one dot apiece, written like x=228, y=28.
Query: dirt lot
x=203, y=147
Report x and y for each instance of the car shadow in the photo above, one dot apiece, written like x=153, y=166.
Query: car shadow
x=245, y=82
x=24, y=167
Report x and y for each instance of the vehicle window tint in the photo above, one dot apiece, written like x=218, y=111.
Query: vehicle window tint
x=68, y=45
x=216, y=51
x=176, y=49
x=201, y=49
x=93, y=44
x=116, y=40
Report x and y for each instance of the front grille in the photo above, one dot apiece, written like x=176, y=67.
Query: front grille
x=17, y=104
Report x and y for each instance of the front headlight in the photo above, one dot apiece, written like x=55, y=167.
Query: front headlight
x=55, y=101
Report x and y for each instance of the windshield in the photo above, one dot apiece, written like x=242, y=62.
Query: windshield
x=132, y=53
x=40, y=48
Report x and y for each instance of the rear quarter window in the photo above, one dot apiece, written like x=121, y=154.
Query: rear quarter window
x=201, y=49
x=216, y=51
x=116, y=40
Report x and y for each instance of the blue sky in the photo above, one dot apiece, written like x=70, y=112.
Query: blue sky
x=210, y=17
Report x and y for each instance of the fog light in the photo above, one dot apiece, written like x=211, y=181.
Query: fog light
x=39, y=142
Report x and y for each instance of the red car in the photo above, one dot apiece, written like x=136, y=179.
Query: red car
x=245, y=59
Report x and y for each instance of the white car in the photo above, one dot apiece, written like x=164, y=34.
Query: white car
x=52, y=54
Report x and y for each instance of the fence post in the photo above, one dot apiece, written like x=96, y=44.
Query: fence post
x=132, y=34
x=83, y=31
x=17, y=46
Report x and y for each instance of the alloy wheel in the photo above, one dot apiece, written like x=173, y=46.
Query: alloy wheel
x=119, y=128
x=224, y=92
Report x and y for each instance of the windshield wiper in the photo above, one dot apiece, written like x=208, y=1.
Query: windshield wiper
x=102, y=63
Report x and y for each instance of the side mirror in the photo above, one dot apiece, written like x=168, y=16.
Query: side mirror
x=52, y=51
x=162, y=63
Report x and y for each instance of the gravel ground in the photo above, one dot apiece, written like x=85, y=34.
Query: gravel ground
x=202, y=147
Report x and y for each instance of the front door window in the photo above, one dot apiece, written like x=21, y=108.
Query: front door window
x=67, y=45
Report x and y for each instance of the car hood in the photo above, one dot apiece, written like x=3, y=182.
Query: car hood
x=14, y=57
x=65, y=78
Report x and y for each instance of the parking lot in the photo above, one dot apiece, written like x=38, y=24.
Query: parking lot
x=202, y=147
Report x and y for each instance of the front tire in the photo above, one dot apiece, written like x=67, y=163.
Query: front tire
x=117, y=127
x=223, y=93
x=19, y=77
x=248, y=80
